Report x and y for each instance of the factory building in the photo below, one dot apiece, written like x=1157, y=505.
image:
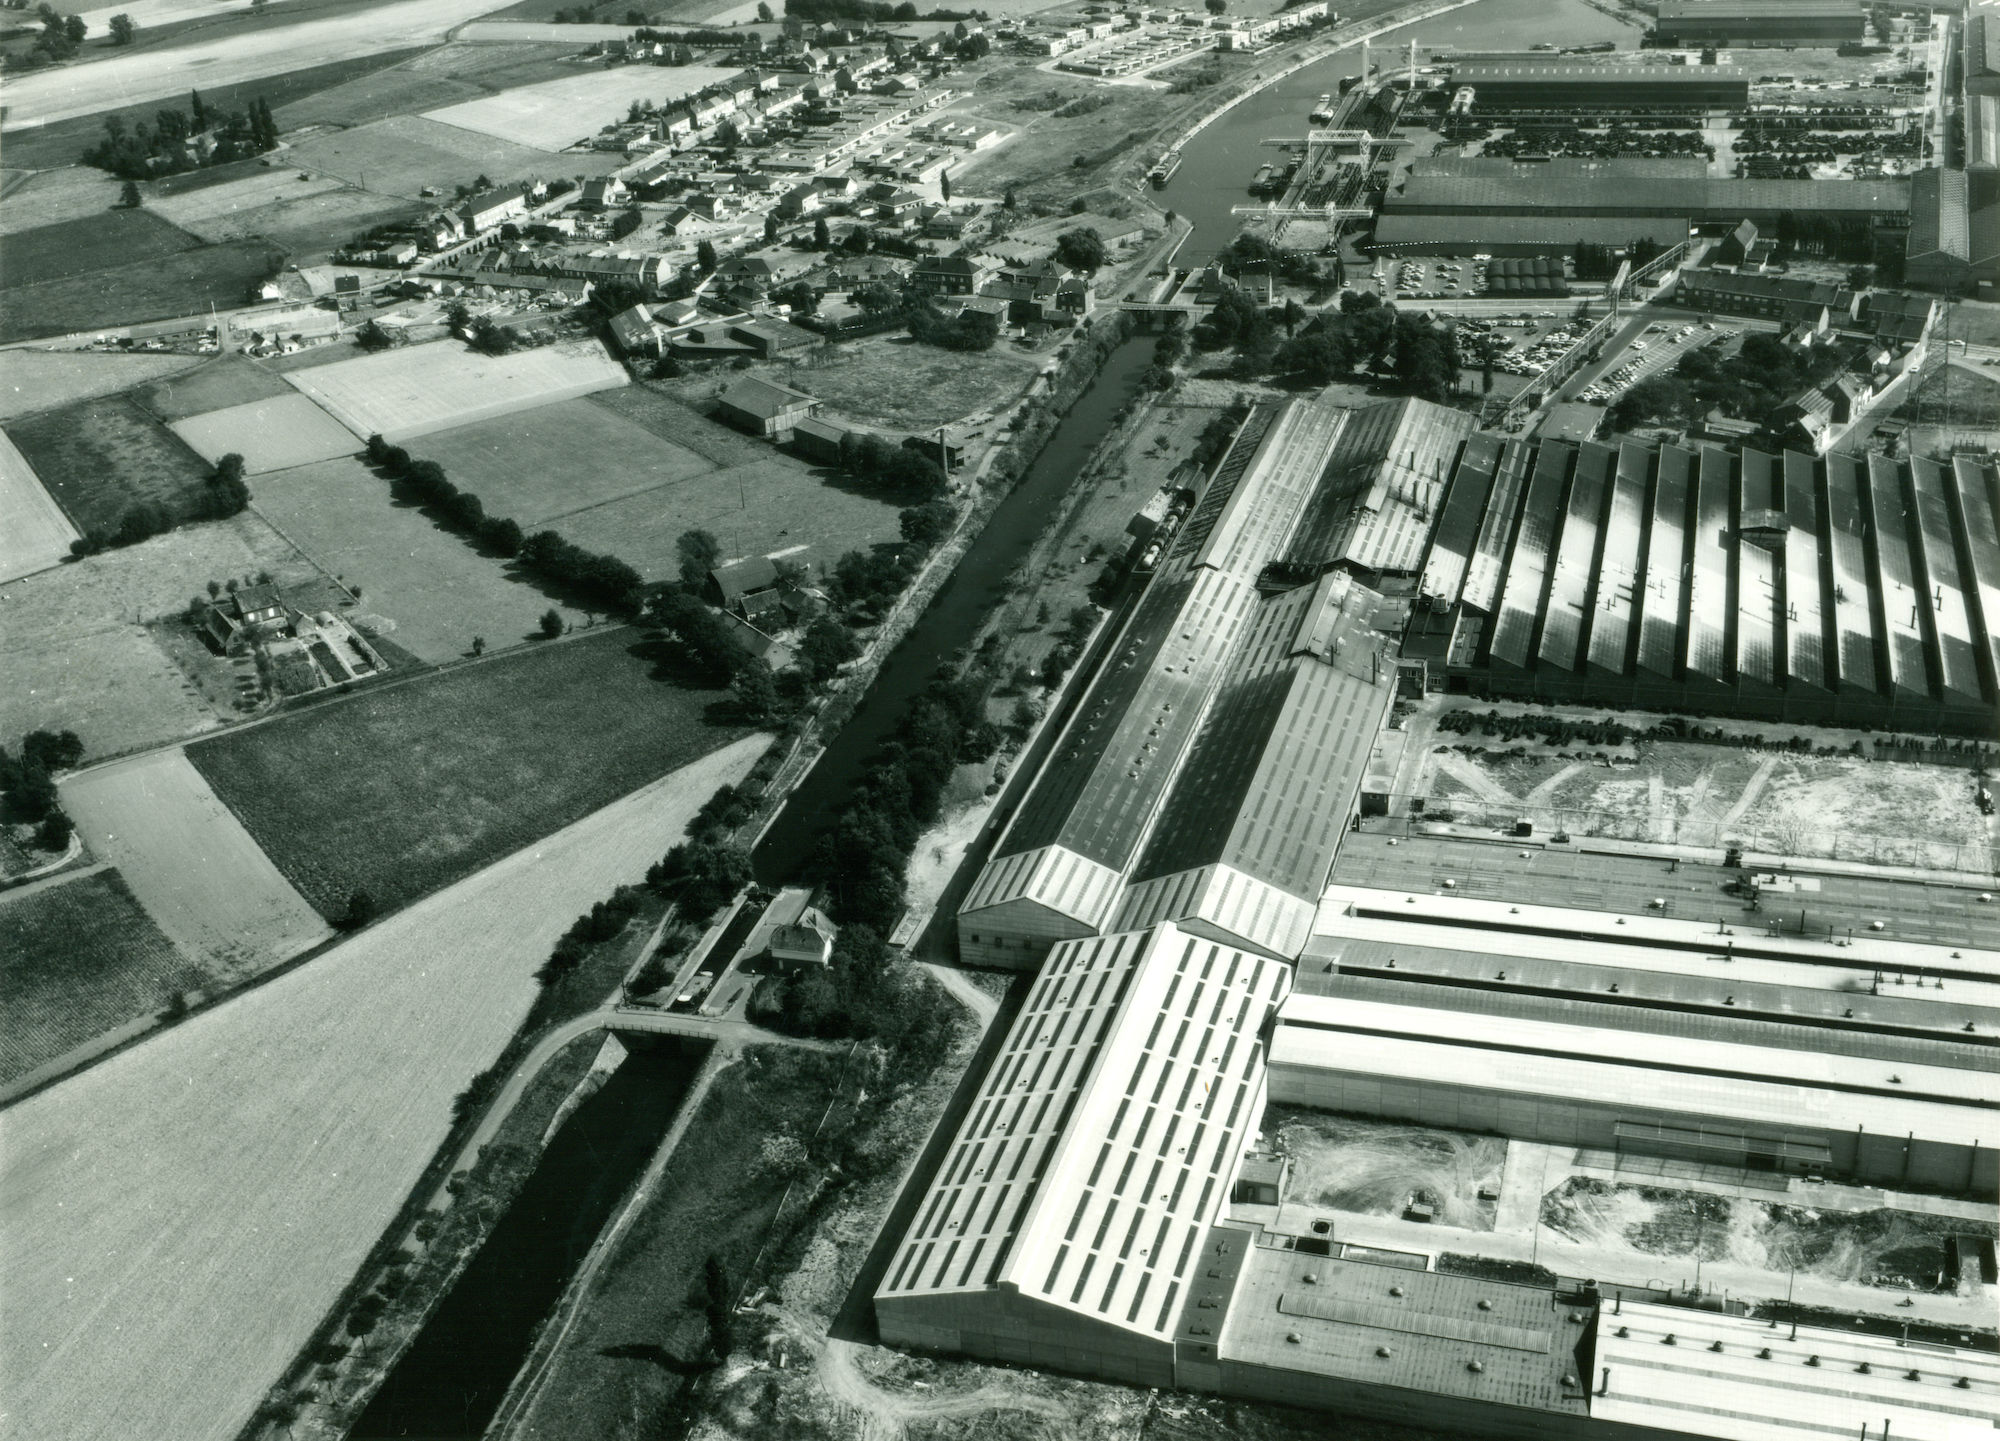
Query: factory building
x=1669, y=188
x=1205, y=777
x=1839, y=589
x=1517, y=86
x=1518, y=235
x=1954, y=242
x=1695, y=24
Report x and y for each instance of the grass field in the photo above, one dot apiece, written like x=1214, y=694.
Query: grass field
x=434, y=591
x=102, y=241
x=536, y=465
x=401, y=155
x=216, y=384
x=34, y=533
x=404, y=790
x=428, y=81
x=187, y=1211
x=75, y=653
x=103, y=457
x=757, y=500
x=274, y=434
x=192, y=865
x=422, y=388
x=32, y=380
x=76, y=959
x=174, y=285
x=890, y=380
x=249, y=189
x=43, y=199
x=556, y=114
x=60, y=142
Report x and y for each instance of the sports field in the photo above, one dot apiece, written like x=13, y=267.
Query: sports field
x=274, y=434
x=103, y=457
x=422, y=388
x=32, y=380
x=76, y=654
x=77, y=958
x=34, y=533
x=217, y=384
x=185, y=1213
x=403, y=790
x=436, y=591
x=401, y=155
x=191, y=864
x=558, y=113
x=554, y=460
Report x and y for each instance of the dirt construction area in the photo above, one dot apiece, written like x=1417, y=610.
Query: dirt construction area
x=1776, y=802
x=404, y=393
x=191, y=864
x=1377, y=1168
x=186, y=1212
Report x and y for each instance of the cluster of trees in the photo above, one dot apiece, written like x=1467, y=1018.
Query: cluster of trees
x=1364, y=334
x=1082, y=249
x=30, y=787
x=601, y=580
x=1554, y=729
x=225, y=495
x=831, y=11
x=1749, y=385
x=867, y=993
x=863, y=858
x=1068, y=649
x=902, y=470
x=602, y=922
x=162, y=148
x=969, y=330
x=700, y=877
x=1168, y=351
x=61, y=35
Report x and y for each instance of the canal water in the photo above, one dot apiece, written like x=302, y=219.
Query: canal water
x=448, y=1384
x=976, y=585
x=1216, y=166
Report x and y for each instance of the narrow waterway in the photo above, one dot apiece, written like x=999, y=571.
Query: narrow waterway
x=447, y=1385
x=975, y=587
x=1216, y=166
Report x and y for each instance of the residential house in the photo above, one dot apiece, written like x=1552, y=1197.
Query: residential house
x=483, y=212
x=806, y=941
x=603, y=193
x=763, y=407
x=254, y=610
x=953, y=274
x=637, y=332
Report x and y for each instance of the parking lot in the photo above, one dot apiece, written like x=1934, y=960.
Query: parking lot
x=1656, y=349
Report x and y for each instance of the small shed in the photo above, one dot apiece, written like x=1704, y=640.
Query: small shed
x=764, y=407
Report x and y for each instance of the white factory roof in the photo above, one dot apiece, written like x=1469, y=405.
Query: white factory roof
x=1721, y=1079
x=1100, y=1148
x=1745, y=1380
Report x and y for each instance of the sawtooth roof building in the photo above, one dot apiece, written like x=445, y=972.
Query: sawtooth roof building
x=1205, y=776
x=1558, y=85
x=1837, y=589
x=1692, y=24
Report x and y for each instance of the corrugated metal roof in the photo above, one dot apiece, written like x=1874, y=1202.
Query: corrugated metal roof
x=1699, y=10
x=1527, y=568
x=1853, y=627
x=1496, y=527
x=1559, y=233
x=1805, y=619
x=1459, y=518
x=1570, y=578
x=1644, y=196
x=1618, y=575
x=1663, y=599
x=1895, y=575
x=1972, y=497
x=1956, y=653
x=1374, y=502
x=1572, y=72
x=1756, y=613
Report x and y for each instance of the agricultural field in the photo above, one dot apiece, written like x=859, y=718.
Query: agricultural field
x=308, y=218
x=422, y=388
x=275, y=434
x=461, y=768
x=32, y=380
x=556, y=114
x=49, y=196
x=536, y=465
x=215, y=384
x=423, y=587
x=74, y=643
x=211, y=1192
x=191, y=865
x=78, y=957
x=34, y=533
x=253, y=189
x=403, y=154
x=892, y=382
x=103, y=457
x=1375, y=1168
x=105, y=240
x=759, y=500
x=430, y=80
x=183, y=283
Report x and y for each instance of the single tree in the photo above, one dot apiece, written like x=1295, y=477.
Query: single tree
x=229, y=467
x=764, y=12
x=755, y=692
x=123, y=29
x=74, y=29
x=198, y=110
x=1008, y=200
x=1215, y=7
x=479, y=645
x=704, y=256
x=1081, y=249
x=698, y=553
x=822, y=237
x=770, y=227
x=552, y=623
x=129, y=196
x=360, y=911
x=944, y=188
x=718, y=1308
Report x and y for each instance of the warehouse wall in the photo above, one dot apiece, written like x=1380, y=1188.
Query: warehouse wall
x=1006, y=1327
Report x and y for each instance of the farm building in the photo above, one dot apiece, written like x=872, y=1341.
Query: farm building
x=1205, y=779
x=1568, y=85
x=1841, y=589
x=764, y=407
x=1693, y=24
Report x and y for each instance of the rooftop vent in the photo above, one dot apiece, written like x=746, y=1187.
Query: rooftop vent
x=1476, y=1367
x=1383, y=1351
x=1765, y=1354
x=1668, y=1340
x=1293, y=1337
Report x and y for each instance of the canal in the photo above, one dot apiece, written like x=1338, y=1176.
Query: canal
x=447, y=1385
x=1217, y=164
x=976, y=585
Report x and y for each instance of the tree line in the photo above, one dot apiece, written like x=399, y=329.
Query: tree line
x=225, y=494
